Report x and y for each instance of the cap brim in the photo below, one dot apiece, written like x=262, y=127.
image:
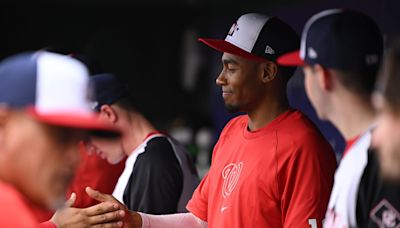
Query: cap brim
x=291, y=59
x=224, y=46
x=84, y=121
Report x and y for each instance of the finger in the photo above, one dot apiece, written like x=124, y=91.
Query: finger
x=109, y=225
x=114, y=216
x=101, y=208
x=70, y=202
x=96, y=195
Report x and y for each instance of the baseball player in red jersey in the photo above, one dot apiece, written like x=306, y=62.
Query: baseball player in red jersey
x=271, y=167
x=340, y=52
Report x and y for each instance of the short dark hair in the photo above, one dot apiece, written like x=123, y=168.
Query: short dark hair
x=127, y=103
x=361, y=82
x=389, y=78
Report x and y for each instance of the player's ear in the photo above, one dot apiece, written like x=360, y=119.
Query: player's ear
x=107, y=113
x=269, y=71
x=4, y=114
x=324, y=77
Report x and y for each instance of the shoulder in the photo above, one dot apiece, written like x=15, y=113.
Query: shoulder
x=159, y=143
x=158, y=151
x=301, y=139
x=300, y=129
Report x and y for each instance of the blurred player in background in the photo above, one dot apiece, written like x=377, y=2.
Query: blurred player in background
x=387, y=101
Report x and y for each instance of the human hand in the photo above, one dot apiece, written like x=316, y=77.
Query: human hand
x=105, y=214
x=131, y=220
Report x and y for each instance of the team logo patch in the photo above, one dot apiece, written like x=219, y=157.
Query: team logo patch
x=230, y=174
x=385, y=215
x=235, y=27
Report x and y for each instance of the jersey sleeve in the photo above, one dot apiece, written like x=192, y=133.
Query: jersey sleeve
x=47, y=224
x=198, y=204
x=378, y=200
x=306, y=184
x=156, y=182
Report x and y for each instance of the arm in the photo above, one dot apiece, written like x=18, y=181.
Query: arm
x=172, y=221
x=134, y=219
x=156, y=182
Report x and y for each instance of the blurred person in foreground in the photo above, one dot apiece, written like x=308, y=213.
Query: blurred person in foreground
x=271, y=167
x=387, y=101
x=341, y=52
x=44, y=113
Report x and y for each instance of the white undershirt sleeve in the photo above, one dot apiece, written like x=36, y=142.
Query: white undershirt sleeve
x=172, y=221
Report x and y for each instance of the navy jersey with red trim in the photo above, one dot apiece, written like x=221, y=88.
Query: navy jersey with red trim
x=378, y=200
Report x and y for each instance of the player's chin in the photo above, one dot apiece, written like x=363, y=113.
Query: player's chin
x=113, y=160
x=231, y=107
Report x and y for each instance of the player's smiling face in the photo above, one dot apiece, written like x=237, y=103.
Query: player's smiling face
x=239, y=84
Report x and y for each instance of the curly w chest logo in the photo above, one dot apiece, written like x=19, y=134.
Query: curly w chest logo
x=231, y=174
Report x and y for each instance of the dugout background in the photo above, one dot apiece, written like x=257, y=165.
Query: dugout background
x=152, y=45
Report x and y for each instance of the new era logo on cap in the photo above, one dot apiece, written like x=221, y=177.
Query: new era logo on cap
x=340, y=39
x=53, y=88
x=269, y=50
x=257, y=37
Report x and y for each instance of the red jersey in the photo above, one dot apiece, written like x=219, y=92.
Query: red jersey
x=278, y=176
x=14, y=211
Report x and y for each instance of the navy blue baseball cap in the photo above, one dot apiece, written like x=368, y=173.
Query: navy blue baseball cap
x=257, y=37
x=339, y=39
x=50, y=87
x=107, y=89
